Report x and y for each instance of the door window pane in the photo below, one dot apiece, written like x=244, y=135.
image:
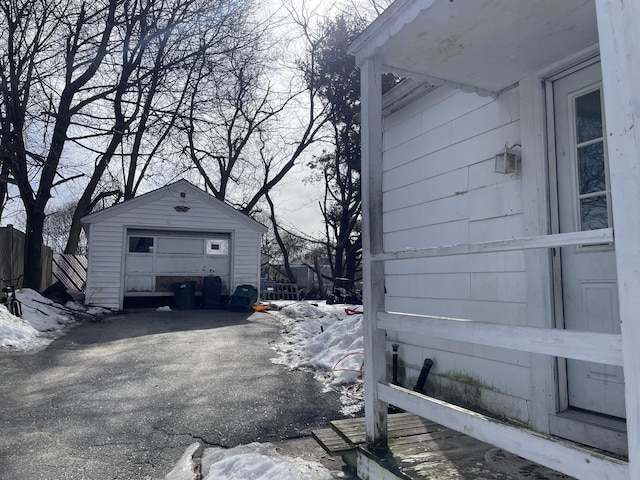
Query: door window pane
x=588, y=117
x=593, y=191
x=591, y=175
x=594, y=213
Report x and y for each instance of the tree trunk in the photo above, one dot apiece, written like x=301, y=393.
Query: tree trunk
x=352, y=262
x=33, y=248
x=316, y=264
x=84, y=204
x=285, y=253
x=4, y=173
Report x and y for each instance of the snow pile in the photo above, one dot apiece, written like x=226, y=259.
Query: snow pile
x=327, y=340
x=42, y=321
x=258, y=461
x=18, y=334
x=302, y=310
x=247, y=462
x=43, y=314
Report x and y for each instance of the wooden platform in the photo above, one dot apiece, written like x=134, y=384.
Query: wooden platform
x=421, y=449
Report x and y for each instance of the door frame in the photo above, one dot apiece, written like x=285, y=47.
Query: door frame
x=562, y=380
x=584, y=427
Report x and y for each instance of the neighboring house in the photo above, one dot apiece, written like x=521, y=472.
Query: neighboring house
x=177, y=233
x=509, y=279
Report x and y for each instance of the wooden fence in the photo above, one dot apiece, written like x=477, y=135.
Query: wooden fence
x=279, y=291
x=71, y=270
x=12, y=252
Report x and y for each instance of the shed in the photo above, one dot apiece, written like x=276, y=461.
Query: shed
x=177, y=233
x=519, y=282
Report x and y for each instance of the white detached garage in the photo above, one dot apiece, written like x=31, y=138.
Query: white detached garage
x=178, y=233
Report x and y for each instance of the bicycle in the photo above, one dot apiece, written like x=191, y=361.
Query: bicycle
x=13, y=304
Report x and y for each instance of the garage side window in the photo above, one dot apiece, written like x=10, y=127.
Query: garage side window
x=217, y=246
x=140, y=244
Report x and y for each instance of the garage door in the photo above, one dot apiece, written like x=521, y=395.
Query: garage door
x=157, y=259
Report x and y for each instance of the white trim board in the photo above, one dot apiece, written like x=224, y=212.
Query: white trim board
x=561, y=456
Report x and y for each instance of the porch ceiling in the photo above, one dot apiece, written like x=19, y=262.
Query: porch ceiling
x=486, y=44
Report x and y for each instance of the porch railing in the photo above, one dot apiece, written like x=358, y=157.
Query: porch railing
x=578, y=345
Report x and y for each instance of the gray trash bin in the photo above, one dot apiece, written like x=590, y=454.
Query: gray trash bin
x=212, y=292
x=243, y=298
x=184, y=295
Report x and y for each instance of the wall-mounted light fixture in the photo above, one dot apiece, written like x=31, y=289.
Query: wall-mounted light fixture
x=507, y=160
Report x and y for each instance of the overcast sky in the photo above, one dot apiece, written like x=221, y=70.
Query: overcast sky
x=297, y=199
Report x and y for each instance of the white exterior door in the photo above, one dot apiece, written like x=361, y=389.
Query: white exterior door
x=589, y=288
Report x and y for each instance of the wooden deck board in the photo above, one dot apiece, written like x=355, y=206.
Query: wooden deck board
x=399, y=425
x=332, y=443
x=420, y=449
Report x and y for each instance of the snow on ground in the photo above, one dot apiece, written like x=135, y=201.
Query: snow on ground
x=256, y=461
x=42, y=321
x=326, y=340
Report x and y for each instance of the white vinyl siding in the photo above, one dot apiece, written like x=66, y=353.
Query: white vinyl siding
x=155, y=211
x=440, y=188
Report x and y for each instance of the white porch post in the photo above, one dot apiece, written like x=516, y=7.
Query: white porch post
x=535, y=208
x=619, y=37
x=373, y=272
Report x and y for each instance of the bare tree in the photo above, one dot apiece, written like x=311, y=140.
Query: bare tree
x=250, y=131
x=284, y=246
x=163, y=44
x=339, y=167
x=56, y=228
x=50, y=55
x=364, y=11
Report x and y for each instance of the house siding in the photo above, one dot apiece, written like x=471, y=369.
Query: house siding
x=108, y=235
x=440, y=188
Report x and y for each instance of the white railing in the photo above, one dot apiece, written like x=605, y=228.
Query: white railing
x=591, y=346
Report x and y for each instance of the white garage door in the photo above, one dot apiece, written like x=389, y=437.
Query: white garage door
x=157, y=259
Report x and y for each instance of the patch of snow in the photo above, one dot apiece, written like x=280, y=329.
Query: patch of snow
x=42, y=321
x=328, y=341
x=258, y=461
x=43, y=314
x=18, y=334
x=163, y=309
x=255, y=461
x=185, y=468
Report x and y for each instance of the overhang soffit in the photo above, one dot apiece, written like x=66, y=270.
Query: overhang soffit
x=483, y=46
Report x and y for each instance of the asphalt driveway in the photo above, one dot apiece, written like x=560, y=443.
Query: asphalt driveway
x=122, y=398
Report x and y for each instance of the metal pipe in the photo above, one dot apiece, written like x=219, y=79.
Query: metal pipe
x=422, y=379
x=395, y=346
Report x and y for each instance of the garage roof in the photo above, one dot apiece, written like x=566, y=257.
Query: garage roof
x=171, y=189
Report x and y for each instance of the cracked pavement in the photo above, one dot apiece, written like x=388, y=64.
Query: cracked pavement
x=122, y=398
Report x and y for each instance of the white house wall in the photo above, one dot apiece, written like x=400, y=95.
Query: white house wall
x=107, y=242
x=440, y=188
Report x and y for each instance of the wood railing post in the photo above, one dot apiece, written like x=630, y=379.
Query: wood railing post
x=619, y=38
x=373, y=271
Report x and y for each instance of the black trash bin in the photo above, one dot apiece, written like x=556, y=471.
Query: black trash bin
x=243, y=298
x=184, y=294
x=212, y=292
